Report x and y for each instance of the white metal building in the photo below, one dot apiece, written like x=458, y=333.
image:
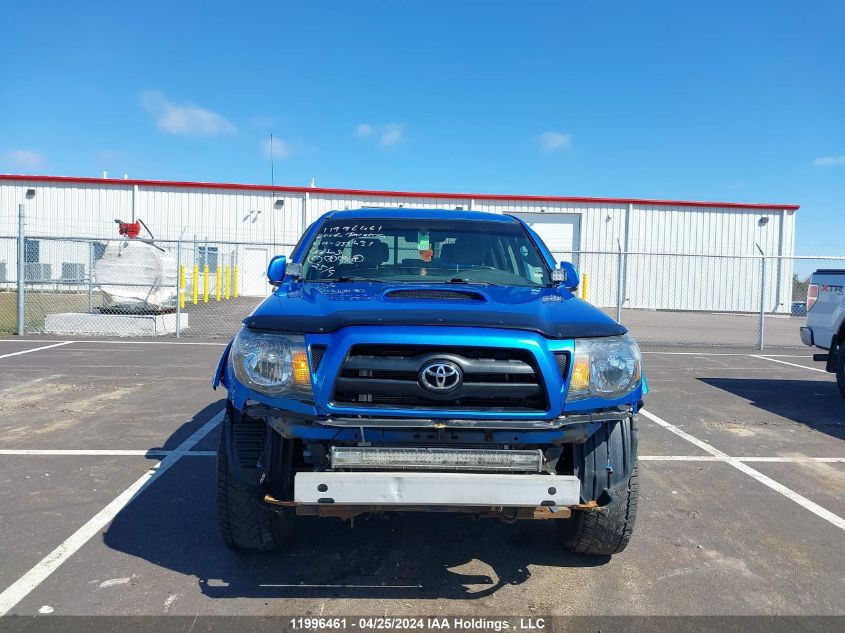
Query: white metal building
x=683, y=255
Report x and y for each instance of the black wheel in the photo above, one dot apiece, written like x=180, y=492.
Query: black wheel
x=840, y=368
x=246, y=523
x=607, y=467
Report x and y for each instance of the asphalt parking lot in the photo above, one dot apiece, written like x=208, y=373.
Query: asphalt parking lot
x=107, y=502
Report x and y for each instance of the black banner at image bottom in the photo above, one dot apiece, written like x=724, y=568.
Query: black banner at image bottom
x=422, y=623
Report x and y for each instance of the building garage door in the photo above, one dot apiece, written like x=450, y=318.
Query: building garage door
x=254, y=273
x=560, y=232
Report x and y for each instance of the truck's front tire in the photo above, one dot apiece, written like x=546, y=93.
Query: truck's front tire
x=246, y=523
x=604, y=531
x=607, y=466
x=840, y=368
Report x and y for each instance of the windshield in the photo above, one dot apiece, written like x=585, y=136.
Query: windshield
x=430, y=251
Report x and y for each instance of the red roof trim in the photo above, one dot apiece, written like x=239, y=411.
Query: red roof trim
x=393, y=194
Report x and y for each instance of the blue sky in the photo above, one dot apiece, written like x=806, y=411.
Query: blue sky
x=715, y=100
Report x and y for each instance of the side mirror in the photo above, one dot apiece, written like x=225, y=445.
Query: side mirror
x=276, y=269
x=567, y=275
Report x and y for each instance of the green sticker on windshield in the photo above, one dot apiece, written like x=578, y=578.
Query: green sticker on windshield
x=423, y=241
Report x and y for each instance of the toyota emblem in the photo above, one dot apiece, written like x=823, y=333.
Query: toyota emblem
x=440, y=376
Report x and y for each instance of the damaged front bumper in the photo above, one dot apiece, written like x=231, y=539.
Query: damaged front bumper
x=569, y=428
x=435, y=489
x=505, y=496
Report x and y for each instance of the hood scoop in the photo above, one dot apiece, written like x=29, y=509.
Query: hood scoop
x=431, y=294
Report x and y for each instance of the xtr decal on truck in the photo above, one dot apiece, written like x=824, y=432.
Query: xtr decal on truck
x=428, y=360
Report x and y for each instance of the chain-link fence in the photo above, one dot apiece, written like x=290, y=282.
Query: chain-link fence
x=136, y=287
x=131, y=287
x=702, y=300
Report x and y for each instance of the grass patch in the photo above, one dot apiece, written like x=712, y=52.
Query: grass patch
x=38, y=304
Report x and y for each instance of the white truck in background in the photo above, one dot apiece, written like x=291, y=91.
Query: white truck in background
x=825, y=327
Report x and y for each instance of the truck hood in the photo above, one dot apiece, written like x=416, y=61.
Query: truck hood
x=327, y=307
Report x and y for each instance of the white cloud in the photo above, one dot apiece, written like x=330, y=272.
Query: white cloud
x=552, y=141
x=24, y=158
x=391, y=134
x=281, y=149
x=185, y=119
x=388, y=133
x=829, y=161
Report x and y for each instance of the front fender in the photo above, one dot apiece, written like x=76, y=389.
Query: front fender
x=220, y=375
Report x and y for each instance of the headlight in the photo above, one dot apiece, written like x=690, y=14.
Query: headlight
x=273, y=364
x=604, y=368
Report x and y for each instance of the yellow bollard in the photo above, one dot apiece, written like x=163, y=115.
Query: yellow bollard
x=196, y=284
x=217, y=274
x=235, y=282
x=182, y=285
x=228, y=282
x=205, y=284
x=584, y=286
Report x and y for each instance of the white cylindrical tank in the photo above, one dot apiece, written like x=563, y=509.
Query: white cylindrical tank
x=136, y=275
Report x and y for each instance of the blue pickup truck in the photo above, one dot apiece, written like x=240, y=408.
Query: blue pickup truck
x=428, y=360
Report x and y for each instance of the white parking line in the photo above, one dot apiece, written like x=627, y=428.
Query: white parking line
x=783, y=362
x=72, y=452
x=801, y=500
x=24, y=585
x=793, y=460
x=113, y=342
x=36, y=349
x=223, y=344
x=647, y=351
x=679, y=458
x=712, y=458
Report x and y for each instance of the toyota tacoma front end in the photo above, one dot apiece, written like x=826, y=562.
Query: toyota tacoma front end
x=419, y=360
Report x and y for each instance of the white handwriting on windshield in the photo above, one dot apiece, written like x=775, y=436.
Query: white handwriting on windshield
x=336, y=239
x=333, y=257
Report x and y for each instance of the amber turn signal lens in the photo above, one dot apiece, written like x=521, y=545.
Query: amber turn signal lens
x=301, y=373
x=580, y=374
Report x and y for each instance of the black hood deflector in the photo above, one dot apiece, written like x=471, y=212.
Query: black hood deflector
x=321, y=308
x=503, y=320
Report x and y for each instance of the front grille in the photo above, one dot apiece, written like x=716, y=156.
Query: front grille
x=494, y=379
x=562, y=361
x=317, y=352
